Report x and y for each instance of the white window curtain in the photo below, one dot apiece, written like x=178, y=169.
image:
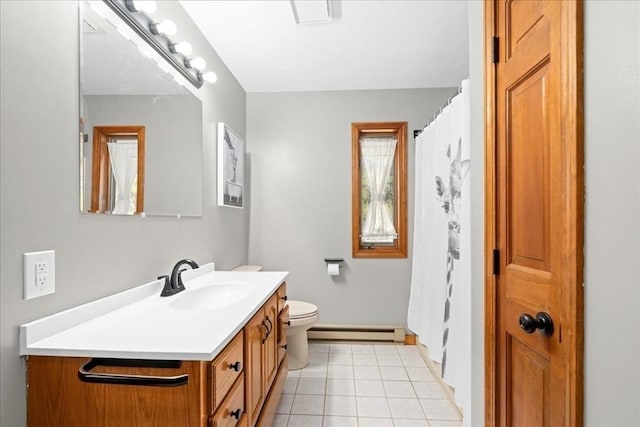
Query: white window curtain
x=376, y=155
x=124, y=166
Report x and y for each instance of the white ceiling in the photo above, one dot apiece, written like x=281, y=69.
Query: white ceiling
x=370, y=44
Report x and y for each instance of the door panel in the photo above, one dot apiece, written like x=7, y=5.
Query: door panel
x=526, y=366
x=527, y=177
x=534, y=215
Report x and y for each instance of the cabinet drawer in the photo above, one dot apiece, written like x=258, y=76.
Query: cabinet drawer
x=282, y=296
x=225, y=369
x=231, y=411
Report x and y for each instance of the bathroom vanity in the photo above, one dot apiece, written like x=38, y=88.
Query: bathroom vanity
x=213, y=355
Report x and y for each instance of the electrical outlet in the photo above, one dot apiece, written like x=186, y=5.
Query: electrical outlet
x=39, y=274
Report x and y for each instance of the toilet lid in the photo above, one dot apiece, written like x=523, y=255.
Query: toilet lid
x=298, y=309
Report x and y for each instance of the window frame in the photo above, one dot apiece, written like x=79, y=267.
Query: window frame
x=399, y=248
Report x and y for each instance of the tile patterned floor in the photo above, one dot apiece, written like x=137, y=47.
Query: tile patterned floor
x=364, y=385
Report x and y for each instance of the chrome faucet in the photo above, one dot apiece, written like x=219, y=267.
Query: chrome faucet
x=174, y=284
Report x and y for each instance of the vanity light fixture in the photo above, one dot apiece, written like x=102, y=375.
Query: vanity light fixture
x=183, y=48
x=144, y=6
x=197, y=63
x=134, y=14
x=210, y=77
x=166, y=27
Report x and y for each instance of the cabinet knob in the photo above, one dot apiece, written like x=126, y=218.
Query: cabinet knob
x=236, y=414
x=235, y=366
x=284, y=346
x=288, y=323
x=284, y=298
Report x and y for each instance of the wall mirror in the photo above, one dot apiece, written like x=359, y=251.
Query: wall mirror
x=140, y=127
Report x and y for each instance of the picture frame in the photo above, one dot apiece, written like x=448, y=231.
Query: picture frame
x=230, y=189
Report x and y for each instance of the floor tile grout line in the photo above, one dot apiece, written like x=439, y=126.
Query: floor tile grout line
x=386, y=397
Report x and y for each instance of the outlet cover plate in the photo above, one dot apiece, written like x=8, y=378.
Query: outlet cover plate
x=39, y=274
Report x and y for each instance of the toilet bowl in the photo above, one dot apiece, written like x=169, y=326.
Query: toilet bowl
x=302, y=315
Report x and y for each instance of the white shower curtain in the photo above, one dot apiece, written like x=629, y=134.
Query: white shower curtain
x=124, y=166
x=439, y=305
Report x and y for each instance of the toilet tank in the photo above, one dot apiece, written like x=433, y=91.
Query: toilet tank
x=248, y=268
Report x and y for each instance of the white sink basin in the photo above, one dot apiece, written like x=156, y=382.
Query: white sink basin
x=212, y=296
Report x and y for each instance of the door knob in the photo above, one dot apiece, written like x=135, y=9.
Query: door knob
x=542, y=321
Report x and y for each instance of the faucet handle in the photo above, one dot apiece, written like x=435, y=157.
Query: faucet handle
x=166, y=290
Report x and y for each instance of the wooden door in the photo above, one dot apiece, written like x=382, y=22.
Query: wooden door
x=534, y=213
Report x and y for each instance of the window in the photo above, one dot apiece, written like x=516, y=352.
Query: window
x=379, y=190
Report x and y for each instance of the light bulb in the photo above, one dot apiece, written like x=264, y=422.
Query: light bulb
x=210, y=77
x=165, y=27
x=145, y=6
x=198, y=63
x=184, y=48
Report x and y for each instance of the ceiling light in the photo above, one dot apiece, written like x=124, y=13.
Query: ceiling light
x=167, y=27
x=210, y=77
x=311, y=11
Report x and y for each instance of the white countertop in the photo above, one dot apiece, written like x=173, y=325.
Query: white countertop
x=140, y=324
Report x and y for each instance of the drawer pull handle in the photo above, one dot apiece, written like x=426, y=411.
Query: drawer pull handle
x=235, y=366
x=236, y=414
x=85, y=374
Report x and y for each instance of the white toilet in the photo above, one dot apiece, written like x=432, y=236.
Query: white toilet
x=302, y=315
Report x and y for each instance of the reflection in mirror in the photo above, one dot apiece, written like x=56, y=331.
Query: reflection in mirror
x=117, y=175
x=141, y=150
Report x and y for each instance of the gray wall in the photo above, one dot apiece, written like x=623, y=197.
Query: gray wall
x=300, y=152
x=173, y=146
x=612, y=237
x=96, y=255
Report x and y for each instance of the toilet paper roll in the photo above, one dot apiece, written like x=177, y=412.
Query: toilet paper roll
x=333, y=269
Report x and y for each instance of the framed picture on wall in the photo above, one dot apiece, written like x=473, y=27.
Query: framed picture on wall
x=230, y=168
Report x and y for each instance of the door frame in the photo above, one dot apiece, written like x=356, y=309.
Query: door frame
x=572, y=301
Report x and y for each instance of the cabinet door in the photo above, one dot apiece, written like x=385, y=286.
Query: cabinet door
x=254, y=334
x=282, y=296
x=271, y=343
x=283, y=327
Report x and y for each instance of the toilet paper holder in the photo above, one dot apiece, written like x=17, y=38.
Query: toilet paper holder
x=338, y=261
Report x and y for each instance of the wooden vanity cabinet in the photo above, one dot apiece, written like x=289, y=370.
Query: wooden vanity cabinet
x=261, y=357
x=240, y=387
x=262, y=337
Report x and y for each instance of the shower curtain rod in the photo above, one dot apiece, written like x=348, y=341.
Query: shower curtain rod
x=437, y=113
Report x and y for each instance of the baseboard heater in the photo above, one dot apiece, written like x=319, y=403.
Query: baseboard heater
x=357, y=332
